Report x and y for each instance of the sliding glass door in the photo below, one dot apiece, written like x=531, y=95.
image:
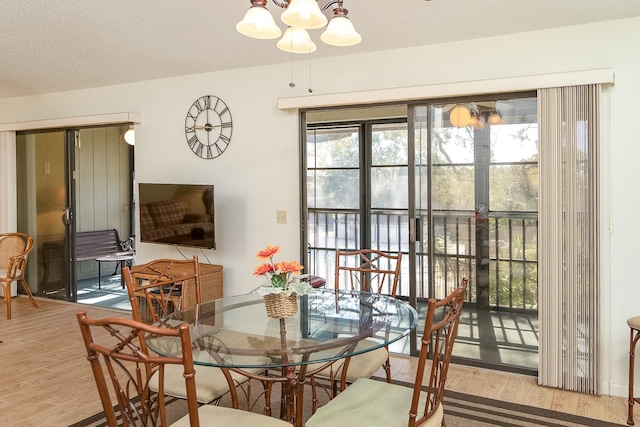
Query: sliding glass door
x=43, y=195
x=70, y=181
x=477, y=198
x=450, y=184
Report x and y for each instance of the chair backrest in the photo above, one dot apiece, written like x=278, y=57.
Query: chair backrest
x=440, y=330
x=14, y=252
x=11, y=245
x=368, y=270
x=155, y=289
x=117, y=358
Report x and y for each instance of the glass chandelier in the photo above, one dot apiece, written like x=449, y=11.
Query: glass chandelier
x=299, y=16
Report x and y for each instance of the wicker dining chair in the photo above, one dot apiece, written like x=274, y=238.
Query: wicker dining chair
x=155, y=290
x=14, y=253
x=366, y=270
x=369, y=402
x=118, y=357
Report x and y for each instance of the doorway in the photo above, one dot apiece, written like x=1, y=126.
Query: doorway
x=457, y=199
x=69, y=181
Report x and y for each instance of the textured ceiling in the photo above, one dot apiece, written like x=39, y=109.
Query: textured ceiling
x=58, y=45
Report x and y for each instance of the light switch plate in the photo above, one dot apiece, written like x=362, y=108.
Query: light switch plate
x=281, y=217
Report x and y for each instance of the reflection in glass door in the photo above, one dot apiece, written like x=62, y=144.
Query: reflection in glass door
x=42, y=197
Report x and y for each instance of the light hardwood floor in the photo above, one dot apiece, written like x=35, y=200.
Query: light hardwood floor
x=46, y=379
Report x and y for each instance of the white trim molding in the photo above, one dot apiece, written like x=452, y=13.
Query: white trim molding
x=66, y=122
x=477, y=87
x=8, y=192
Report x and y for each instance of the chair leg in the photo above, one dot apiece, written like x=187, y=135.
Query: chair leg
x=25, y=286
x=7, y=298
x=634, y=335
x=266, y=385
x=387, y=369
x=314, y=395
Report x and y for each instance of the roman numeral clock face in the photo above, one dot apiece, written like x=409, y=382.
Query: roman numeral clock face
x=208, y=127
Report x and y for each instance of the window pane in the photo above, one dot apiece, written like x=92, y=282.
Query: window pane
x=513, y=187
x=332, y=148
x=514, y=143
x=452, y=187
x=389, y=188
x=452, y=145
x=338, y=188
x=389, y=145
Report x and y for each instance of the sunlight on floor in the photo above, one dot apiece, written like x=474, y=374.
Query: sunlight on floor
x=110, y=293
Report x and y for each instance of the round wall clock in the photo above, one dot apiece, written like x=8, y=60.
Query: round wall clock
x=208, y=127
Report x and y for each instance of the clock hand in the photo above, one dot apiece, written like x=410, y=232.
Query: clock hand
x=208, y=127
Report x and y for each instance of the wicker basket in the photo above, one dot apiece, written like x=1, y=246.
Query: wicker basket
x=281, y=306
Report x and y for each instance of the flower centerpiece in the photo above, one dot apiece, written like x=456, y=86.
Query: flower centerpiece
x=283, y=283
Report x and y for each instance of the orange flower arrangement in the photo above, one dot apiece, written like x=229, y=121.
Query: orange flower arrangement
x=281, y=276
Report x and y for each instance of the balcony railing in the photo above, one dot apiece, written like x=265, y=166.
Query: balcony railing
x=502, y=271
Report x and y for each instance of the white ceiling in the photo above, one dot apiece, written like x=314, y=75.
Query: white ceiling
x=58, y=45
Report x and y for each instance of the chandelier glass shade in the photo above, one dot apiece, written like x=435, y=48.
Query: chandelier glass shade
x=461, y=116
x=258, y=23
x=299, y=15
x=304, y=14
x=476, y=122
x=495, y=118
x=340, y=31
x=296, y=40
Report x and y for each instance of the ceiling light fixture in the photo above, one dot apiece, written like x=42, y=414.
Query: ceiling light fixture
x=475, y=121
x=130, y=136
x=461, y=116
x=495, y=118
x=299, y=16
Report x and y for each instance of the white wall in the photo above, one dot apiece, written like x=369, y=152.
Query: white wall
x=8, y=216
x=258, y=174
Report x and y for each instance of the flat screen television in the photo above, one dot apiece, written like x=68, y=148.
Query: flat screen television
x=177, y=214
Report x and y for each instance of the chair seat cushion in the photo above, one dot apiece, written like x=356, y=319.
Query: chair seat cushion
x=211, y=415
x=369, y=402
x=362, y=365
x=210, y=382
x=634, y=323
x=3, y=273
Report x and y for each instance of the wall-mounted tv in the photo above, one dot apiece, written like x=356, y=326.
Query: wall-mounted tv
x=177, y=214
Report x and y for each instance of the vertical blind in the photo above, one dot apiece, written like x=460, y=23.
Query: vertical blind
x=568, y=243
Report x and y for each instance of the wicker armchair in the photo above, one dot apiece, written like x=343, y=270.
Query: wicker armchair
x=14, y=252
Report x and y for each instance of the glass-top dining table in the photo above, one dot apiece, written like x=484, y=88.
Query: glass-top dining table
x=235, y=334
